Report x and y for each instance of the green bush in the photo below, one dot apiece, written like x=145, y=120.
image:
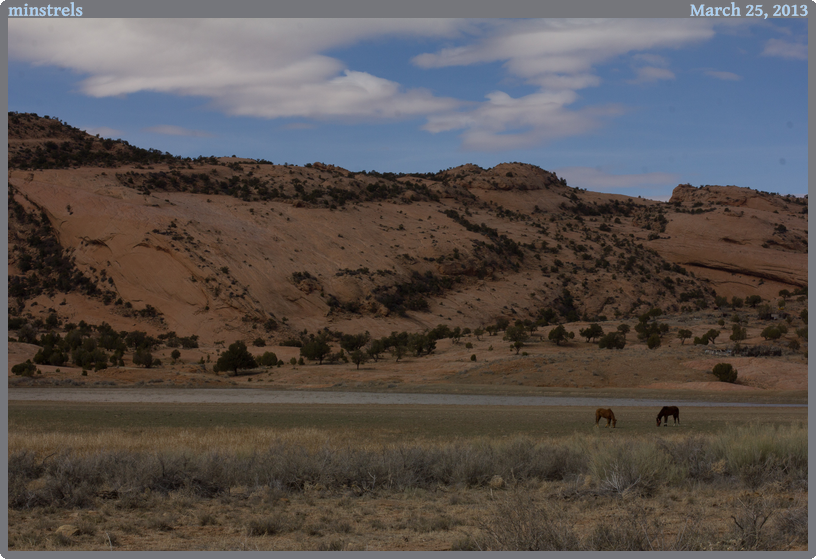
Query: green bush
x=143, y=357
x=613, y=340
x=26, y=369
x=236, y=357
x=559, y=334
x=725, y=372
x=771, y=333
x=591, y=332
x=268, y=359
x=653, y=341
x=683, y=335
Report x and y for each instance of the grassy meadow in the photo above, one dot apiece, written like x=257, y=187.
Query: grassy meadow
x=342, y=477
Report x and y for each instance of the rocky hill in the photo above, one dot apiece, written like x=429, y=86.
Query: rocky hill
x=232, y=248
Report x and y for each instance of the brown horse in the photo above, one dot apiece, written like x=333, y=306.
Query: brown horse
x=666, y=412
x=606, y=414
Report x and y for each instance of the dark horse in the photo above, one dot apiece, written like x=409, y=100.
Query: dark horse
x=666, y=412
x=606, y=414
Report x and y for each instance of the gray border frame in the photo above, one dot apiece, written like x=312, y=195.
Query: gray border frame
x=368, y=9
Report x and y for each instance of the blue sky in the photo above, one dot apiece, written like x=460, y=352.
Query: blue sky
x=627, y=106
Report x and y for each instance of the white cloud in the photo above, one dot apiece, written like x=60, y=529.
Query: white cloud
x=170, y=130
x=727, y=76
x=504, y=122
x=558, y=57
x=651, y=59
x=596, y=180
x=278, y=69
x=650, y=74
x=538, y=49
x=262, y=68
x=786, y=49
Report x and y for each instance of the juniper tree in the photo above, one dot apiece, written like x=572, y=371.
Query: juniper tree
x=592, y=332
x=236, y=357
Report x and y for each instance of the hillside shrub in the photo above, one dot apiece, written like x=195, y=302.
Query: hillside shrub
x=759, y=351
x=725, y=372
x=559, y=334
x=591, y=332
x=613, y=340
x=738, y=333
x=189, y=342
x=771, y=333
x=26, y=369
x=143, y=357
x=268, y=359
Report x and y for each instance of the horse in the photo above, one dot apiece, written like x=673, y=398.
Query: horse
x=606, y=414
x=666, y=412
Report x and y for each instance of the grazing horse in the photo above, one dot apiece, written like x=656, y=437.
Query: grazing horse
x=666, y=412
x=606, y=414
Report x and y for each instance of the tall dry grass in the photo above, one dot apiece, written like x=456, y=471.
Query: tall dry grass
x=761, y=453
x=93, y=465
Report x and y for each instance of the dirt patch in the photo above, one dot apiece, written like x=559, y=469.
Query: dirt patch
x=758, y=372
x=705, y=386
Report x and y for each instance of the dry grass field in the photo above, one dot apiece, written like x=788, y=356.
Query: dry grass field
x=309, y=477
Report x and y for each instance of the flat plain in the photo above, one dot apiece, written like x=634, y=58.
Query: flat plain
x=343, y=477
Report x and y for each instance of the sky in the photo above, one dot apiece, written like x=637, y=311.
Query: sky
x=628, y=106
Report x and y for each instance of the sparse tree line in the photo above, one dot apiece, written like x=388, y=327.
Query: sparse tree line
x=97, y=347
x=78, y=149
x=361, y=348
x=91, y=347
